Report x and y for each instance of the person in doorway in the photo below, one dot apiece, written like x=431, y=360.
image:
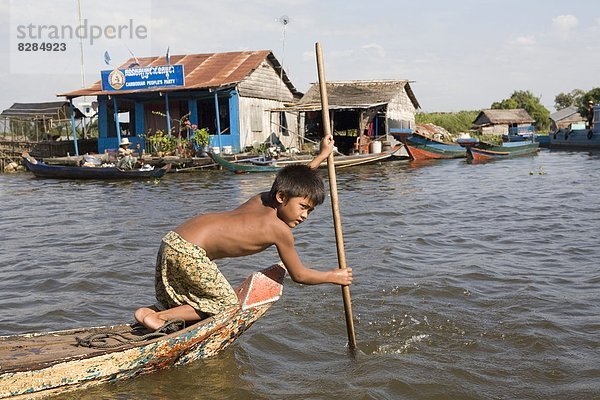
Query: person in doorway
x=125, y=155
x=188, y=283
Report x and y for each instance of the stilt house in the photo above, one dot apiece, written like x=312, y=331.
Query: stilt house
x=359, y=109
x=504, y=122
x=228, y=93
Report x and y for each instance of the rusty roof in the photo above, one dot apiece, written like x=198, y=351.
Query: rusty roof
x=202, y=71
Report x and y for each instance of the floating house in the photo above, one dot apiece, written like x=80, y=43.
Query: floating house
x=40, y=121
x=231, y=94
x=44, y=130
x=562, y=119
x=504, y=122
x=361, y=109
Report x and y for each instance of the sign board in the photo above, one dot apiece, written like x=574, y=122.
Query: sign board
x=143, y=78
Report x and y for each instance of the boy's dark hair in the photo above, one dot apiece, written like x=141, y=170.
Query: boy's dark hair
x=299, y=181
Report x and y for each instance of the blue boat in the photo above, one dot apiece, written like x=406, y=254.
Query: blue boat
x=578, y=136
x=575, y=139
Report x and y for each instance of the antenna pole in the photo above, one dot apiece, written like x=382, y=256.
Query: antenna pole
x=81, y=46
x=284, y=19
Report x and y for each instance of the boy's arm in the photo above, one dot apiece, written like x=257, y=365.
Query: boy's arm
x=326, y=149
x=299, y=273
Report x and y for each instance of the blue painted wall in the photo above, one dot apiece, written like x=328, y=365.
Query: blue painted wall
x=107, y=138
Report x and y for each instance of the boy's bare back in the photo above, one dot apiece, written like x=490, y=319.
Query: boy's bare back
x=248, y=229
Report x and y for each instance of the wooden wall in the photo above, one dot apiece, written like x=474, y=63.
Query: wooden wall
x=401, y=108
x=257, y=123
x=264, y=83
x=262, y=91
x=499, y=129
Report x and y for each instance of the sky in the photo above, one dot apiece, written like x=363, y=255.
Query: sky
x=458, y=55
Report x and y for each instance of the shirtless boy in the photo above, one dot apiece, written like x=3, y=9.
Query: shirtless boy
x=189, y=285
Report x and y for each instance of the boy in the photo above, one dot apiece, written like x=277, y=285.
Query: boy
x=189, y=285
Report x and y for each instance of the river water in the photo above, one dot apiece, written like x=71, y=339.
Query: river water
x=471, y=281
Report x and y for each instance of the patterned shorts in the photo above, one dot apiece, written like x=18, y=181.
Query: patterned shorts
x=185, y=275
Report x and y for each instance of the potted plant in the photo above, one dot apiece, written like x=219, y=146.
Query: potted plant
x=200, y=139
x=161, y=144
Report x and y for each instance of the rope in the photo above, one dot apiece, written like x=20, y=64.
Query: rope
x=99, y=340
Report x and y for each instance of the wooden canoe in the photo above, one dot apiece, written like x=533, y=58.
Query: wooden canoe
x=483, y=151
x=241, y=167
x=42, y=364
x=421, y=147
x=43, y=170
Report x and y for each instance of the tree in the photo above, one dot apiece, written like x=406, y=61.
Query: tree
x=525, y=99
x=564, y=100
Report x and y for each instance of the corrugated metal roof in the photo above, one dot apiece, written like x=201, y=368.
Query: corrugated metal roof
x=564, y=113
x=202, y=71
x=356, y=94
x=499, y=116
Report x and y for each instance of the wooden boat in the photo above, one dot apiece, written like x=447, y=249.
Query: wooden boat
x=43, y=364
x=483, y=151
x=42, y=170
x=421, y=147
x=243, y=166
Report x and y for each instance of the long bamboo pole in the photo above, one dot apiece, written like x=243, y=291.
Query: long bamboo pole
x=335, y=204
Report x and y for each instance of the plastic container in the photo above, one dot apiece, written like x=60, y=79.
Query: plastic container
x=215, y=150
x=375, y=147
x=227, y=150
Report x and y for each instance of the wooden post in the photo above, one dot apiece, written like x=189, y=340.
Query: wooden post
x=74, y=128
x=335, y=205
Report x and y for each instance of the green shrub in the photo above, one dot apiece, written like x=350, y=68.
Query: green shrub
x=454, y=123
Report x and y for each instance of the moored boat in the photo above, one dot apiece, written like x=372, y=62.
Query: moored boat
x=578, y=135
x=245, y=166
x=43, y=170
x=43, y=364
x=421, y=147
x=575, y=139
x=483, y=151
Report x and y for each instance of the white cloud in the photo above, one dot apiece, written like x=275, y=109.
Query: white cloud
x=448, y=76
x=374, y=48
x=526, y=40
x=563, y=25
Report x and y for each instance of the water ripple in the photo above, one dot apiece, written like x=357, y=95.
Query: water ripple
x=470, y=280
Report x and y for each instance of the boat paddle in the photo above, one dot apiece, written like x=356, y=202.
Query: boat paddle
x=335, y=205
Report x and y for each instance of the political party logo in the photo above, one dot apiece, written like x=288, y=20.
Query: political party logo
x=143, y=78
x=116, y=79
